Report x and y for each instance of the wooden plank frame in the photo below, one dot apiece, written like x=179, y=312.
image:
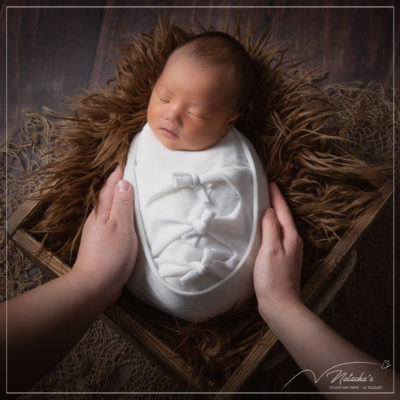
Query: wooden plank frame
x=130, y=327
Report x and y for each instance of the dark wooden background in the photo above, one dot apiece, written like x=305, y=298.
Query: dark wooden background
x=55, y=52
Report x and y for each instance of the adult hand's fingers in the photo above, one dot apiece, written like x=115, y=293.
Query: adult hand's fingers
x=122, y=206
x=271, y=232
x=107, y=194
x=288, y=227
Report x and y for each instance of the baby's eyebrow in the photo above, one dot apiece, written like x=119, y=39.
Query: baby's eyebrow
x=201, y=104
x=162, y=89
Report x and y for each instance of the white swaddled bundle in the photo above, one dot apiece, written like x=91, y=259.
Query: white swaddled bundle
x=198, y=219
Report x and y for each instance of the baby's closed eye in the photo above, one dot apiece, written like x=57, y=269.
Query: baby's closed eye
x=197, y=115
x=163, y=99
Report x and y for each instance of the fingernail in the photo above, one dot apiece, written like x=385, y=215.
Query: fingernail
x=270, y=212
x=123, y=186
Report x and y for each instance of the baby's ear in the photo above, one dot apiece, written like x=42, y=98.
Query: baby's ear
x=230, y=123
x=233, y=119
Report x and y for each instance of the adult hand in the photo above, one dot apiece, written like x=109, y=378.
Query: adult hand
x=109, y=243
x=314, y=346
x=277, y=269
x=50, y=319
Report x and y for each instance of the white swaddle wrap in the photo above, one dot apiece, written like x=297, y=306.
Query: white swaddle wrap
x=198, y=219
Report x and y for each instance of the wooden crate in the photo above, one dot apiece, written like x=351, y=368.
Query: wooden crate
x=124, y=319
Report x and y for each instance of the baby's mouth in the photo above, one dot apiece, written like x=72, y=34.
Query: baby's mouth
x=169, y=134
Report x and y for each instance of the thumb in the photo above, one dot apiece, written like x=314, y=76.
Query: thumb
x=271, y=231
x=122, y=206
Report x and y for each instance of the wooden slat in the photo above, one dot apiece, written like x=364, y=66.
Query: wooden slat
x=342, y=248
x=22, y=214
x=258, y=352
x=311, y=289
x=45, y=258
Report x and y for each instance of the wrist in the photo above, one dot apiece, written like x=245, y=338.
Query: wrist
x=103, y=292
x=274, y=311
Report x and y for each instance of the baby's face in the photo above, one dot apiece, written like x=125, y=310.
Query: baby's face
x=191, y=105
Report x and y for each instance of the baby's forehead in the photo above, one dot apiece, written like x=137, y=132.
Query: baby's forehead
x=220, y=77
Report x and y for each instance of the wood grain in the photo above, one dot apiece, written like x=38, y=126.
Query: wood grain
x=22, y=214
x=44, y=259
x=55, y=52
x=50, y=54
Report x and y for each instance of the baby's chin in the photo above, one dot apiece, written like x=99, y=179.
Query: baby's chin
x=171, y=143
x=174, y=145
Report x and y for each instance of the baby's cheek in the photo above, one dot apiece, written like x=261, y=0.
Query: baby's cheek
x=152, y=104
x=151, y=114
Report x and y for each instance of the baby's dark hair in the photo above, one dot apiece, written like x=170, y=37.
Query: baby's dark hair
x=219, y=49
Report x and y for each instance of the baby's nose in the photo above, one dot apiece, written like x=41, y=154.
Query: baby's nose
x=173, y=113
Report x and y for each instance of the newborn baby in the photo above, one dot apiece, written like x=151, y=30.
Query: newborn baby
x=199, y=186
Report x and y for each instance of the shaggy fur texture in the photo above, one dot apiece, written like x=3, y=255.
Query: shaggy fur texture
x=317, y=144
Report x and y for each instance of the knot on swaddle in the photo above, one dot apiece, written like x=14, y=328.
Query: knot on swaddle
x=213, y=262
x=209, y=225
x=200, y=224
x=183, y=179
x=198, y=267
x=202, y=184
